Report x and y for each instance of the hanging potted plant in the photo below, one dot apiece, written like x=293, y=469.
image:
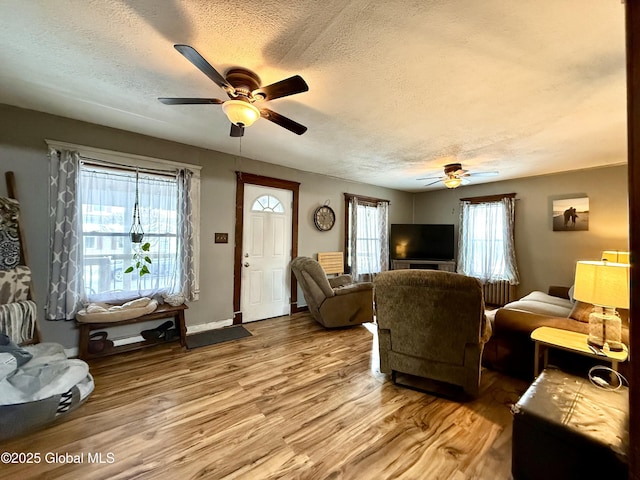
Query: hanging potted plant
x=141, y=260
x=136, y=233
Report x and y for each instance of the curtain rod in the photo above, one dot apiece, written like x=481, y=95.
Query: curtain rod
x=488, y=198
x=112, y=155
x=365, y=198
x=118, y=166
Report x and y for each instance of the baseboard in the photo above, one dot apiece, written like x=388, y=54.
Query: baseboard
x=202, y=327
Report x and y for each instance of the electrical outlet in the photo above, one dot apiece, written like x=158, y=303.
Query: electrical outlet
x=221, y=238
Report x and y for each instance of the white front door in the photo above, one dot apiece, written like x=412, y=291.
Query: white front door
x=266, y=252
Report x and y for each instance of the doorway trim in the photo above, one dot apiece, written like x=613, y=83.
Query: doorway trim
x=241, y=179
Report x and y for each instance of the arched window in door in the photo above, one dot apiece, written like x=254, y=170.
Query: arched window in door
x=267, y=203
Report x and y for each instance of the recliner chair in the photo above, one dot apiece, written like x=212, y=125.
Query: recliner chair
x=333, y=302
x=431, y=324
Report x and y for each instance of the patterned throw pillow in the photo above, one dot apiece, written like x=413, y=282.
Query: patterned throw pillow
x=23, y=281
x=9, y=239
x=581, y=311
x=7, y=286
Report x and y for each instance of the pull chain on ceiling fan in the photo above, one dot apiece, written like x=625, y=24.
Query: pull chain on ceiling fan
x=242, y=86
x=454, y=176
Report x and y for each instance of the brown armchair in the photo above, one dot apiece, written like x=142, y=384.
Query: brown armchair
x=431, y=324
x=333, y=302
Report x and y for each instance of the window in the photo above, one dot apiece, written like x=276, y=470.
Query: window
x=366, y=241
x=92, y=195
x=267, y=203
x=486, y=248
x=106, y=198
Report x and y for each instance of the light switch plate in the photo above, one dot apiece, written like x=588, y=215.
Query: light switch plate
x=222, y=238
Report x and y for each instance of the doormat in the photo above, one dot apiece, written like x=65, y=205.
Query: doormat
x=211, y=337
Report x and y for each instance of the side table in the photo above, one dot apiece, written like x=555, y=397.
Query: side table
x=572, y=342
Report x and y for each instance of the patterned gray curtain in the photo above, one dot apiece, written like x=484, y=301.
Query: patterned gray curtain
x=383, y=228
x=65, y=275
x=511, y=267
x=186, y=238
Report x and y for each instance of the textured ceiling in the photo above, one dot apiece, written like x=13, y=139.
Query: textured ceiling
x=398, y=89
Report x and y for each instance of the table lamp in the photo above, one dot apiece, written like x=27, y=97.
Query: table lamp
x=615, y=256
x=606, y=286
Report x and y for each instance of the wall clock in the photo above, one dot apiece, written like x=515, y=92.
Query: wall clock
x=324, y=218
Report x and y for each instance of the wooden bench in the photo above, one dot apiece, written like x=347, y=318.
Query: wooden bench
x=163, y=311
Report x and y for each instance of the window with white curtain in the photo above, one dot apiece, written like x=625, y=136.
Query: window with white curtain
x=91, y=197
x=367, y=236
x=486, y=248
x=106, y=201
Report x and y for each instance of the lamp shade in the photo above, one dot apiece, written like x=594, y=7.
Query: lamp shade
x=240, y=112
x=615, y=256
x=452, y=182
x=602, y=283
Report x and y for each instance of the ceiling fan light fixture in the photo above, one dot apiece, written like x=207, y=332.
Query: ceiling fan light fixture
x=240, y=112
x=452, y=182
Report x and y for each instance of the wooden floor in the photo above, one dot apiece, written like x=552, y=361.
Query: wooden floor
x=294, y=401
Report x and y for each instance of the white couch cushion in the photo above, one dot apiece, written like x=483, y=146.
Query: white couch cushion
x=543, y=304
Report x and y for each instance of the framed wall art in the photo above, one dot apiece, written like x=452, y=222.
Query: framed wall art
x=571, y=214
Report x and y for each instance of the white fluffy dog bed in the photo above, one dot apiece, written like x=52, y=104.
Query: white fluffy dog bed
x=104, y=312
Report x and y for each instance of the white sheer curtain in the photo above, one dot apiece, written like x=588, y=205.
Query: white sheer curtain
x=107, y=197
x=368, y=239
x=486, y=248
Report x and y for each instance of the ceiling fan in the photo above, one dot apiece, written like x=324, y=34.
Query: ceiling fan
x=454, y=176
x=243, y=88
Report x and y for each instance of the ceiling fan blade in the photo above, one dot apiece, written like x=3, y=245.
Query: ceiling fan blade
x=465, y=181
x=283, y=88
x=432, y=183
x=205, y=67
x=190, y=101
x=483, y=174
x=284, y=122
x=429, y=178
x=236, y=131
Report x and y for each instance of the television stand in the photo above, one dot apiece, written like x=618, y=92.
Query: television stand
x=445, y=265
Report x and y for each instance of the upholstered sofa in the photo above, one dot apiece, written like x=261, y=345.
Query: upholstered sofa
x=511, y=350
x=333, y=302
x=431, y=324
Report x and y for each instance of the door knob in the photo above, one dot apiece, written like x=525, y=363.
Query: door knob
x=246, y=264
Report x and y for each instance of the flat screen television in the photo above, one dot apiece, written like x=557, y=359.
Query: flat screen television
x=421, y=242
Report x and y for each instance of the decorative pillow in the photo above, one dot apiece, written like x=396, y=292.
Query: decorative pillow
x=23, y=281
x=573, y=300
x=7, y=286
x=9, y=239
x=581, y=311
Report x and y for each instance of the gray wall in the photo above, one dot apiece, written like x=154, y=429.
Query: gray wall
x=23, y=150
x=546, y=257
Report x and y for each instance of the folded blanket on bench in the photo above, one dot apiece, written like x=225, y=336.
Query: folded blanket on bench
x=104, y=312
